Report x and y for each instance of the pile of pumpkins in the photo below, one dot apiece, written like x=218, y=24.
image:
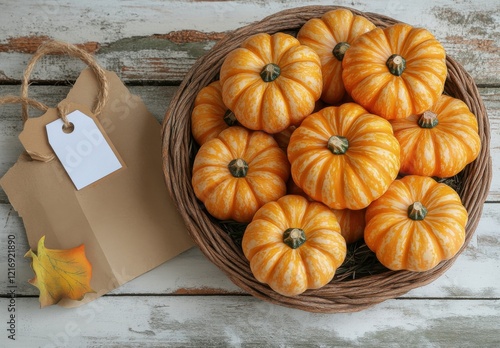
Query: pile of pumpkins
x=333, y=136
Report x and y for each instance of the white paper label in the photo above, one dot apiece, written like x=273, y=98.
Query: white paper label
x=83, y=152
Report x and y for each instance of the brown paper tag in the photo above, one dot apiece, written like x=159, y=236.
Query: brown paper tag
x=127, y=220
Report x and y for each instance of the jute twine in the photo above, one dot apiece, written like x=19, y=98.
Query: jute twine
x=338, y=296
x=59, y=47
x=14, y=99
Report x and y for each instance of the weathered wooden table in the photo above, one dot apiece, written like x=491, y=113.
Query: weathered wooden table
x=188, y=301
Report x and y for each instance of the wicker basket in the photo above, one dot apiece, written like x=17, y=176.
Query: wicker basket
x=213, y=240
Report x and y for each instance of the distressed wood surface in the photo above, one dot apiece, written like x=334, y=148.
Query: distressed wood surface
x=160, y=40
x=242, y=321
x=188, y=301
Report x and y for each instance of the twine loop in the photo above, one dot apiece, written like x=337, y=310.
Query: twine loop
x=14, y=99
x=62, y=111
x=59, y=47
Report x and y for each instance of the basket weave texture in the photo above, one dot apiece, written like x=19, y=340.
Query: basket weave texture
x=352, y=295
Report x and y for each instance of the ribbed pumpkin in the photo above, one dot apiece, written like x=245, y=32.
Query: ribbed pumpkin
x=294, y=245
x=395, y=72
x=352, y=224
x=416, y=224
x=439, y=142
x=330, y=36
x=283, y=137
x=343, y=156
x=210, y=116
x=271, y=82
x=239, y=171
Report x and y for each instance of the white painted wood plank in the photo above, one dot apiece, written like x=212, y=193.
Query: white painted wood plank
x=156, y=99
x=474, y=274
x=241, y=321
x=111, y=20
x=468, y=30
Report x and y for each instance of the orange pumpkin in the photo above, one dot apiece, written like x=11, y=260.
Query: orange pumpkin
x=330, y=36
x=271, y=82
x=416, y=224
x=343, y=156
x=396, y=71
x=294, y=245
x=210, y=116
x=352, y=224
x=238, y=172
x=439, y=142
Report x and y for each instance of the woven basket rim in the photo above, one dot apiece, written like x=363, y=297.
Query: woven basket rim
x=218, y=246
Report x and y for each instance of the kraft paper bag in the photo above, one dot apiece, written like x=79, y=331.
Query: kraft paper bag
x=126, y=220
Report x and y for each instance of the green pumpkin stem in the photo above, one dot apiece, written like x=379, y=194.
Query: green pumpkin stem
x=230, y=118
x=339, y=50
x=294, y=237
x=396, y=64
x=238, y=168
x=417, y=211
x=270, y=72
x=338, y=145
x=428, y=120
